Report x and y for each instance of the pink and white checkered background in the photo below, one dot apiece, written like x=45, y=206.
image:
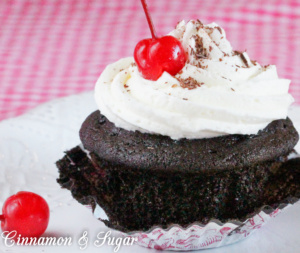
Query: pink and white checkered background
x=54, y=48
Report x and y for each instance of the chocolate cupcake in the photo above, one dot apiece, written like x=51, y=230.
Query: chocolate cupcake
x=211, y=142
x=143, y=180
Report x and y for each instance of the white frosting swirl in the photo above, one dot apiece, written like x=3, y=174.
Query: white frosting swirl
x=218, y=91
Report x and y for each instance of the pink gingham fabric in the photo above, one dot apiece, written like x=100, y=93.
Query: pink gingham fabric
x=54, y=48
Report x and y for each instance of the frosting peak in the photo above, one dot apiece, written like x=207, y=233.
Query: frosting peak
x=219, y=91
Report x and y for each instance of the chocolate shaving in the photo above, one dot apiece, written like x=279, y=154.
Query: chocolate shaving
x=209, y=30
x=242, y=57
x=226, y=78
x=232, y=89
x=254, y=62
x=219, y=29
x=200, y=51
x=198, y=24
x=185, y=99
x=189, y=83
x=177, y=24
x=245, y=60
x=199, y=65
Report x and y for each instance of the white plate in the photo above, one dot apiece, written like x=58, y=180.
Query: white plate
x=31, y=144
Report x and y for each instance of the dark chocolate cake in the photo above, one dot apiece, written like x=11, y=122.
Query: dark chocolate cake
x=143, y=180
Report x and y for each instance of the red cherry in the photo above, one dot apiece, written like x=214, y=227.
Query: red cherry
x=25, y=212
x=156, y=55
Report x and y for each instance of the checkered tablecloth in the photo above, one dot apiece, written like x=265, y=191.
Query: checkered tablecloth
x=54, y=48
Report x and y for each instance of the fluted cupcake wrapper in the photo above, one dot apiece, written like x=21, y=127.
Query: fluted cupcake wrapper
x=198, y=236
x=84, y=182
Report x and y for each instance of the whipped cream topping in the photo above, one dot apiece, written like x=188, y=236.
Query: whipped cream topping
x=219, y=91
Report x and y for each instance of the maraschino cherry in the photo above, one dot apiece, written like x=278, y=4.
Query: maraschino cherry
x=26, y=213
x=155, y=55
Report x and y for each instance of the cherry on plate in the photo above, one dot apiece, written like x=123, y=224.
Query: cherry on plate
x=26, y=213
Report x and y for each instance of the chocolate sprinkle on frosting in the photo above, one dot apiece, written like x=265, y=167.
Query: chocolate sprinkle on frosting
x=189, y=83
x=241, y=54
x=254, y=62
x=201, y=51
x=219, y=29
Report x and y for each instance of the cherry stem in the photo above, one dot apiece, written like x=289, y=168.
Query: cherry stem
x=2, y=218
x=150, y=23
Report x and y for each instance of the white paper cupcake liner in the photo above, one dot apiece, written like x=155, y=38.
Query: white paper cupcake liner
x=197, y=236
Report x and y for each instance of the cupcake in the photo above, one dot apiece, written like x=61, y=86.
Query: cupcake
x=210, y=142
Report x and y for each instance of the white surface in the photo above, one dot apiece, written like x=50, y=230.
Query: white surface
x=29, y=147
